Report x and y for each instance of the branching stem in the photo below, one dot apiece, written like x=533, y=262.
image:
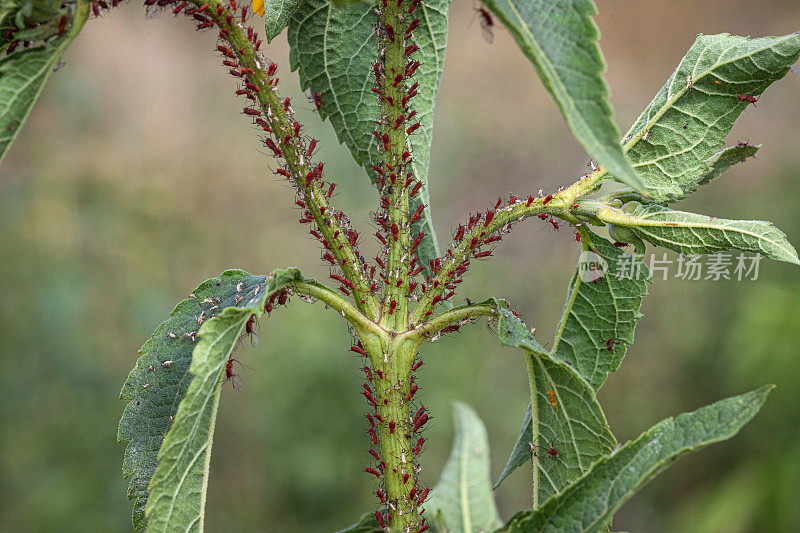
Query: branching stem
x=278, y=115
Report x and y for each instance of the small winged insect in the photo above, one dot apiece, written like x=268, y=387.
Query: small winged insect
x=59, y=64
x=251, y=330
x=232, y=376
x=487, y=23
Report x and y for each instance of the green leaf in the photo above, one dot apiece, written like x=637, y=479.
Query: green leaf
x=277, y=14
x=560, y=39
x=601, y=311
x=160, y=380
x=717, y=164
x=576, y=426
x=688, y=120
x=23, y=74
x=464, y=491
x=335, y=49
x=344, y=3
x=590, y=502
x=692, y=233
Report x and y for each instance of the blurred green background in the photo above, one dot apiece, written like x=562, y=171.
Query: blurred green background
x=135, y=179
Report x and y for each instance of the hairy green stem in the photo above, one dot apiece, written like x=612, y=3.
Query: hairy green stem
x=348, y=311
x=392, y=22
x=562, y=204
x=278, y=115
x=393, y=358
x=457, y=315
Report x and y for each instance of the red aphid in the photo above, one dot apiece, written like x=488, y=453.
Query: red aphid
x=420, y=422
x=547, y=199
x=389, y=32
x=554, y=223
x=610, y=344
x=250, y=329
x=486, y=18
x=272, y=69
x=395, y=231
x=232, y=376
x=414, y=127
x=392, y=306
x=747, y=98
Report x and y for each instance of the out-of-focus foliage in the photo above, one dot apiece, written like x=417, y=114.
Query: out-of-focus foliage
x=81, y=235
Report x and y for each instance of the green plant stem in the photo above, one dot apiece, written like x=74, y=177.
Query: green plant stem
x=348, y=311
x=534, y=426
x=563, y=205
x=394, y=358
x=459, y=314
x=295, y=153
x=392, y=55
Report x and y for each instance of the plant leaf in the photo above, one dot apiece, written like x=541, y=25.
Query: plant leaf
x=160, y=380
x=599, y=309
x=692, y=233
x=23, y=74
x=277, y=14
x=335, y=49
x=576, y=426
x=688, y=120
x=560, y=39
x=590, y=502
x=464, y=492
x=717, y=164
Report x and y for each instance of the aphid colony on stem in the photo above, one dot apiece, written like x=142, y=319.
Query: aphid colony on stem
x=383, y=298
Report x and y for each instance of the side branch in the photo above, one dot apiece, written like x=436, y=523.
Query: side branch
x=334, y=301
x=448, y=318
x=260, y=83
x=487, y=228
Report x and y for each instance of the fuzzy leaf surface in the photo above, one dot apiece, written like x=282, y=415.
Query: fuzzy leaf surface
x=277, y=14
x=576, y=426
x=463, y=494
x=560, y=39
x=692, y=233
x=688, y=120
x=590, y=502
x=24, y=72
x=159, y=383
x=334, y=51
x=598, y=309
